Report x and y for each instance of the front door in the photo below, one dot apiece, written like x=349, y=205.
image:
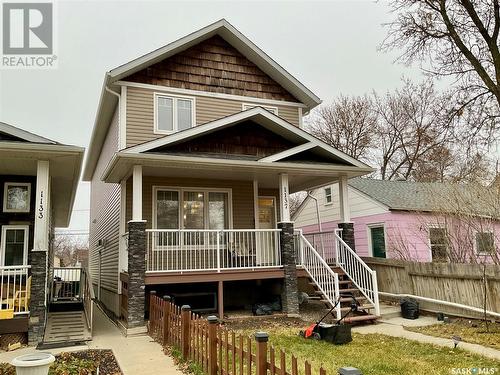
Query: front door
x=377, y=237
x=266, y=246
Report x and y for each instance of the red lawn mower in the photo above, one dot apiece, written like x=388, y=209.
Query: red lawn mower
x=338, y=333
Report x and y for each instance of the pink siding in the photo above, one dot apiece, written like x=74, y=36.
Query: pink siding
x=407, y=236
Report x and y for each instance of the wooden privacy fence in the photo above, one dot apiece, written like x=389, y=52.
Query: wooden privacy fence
x=452, y=282
x=218, y=351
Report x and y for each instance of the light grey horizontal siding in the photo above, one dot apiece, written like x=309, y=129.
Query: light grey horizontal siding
x=140, y=113
x=105, y=220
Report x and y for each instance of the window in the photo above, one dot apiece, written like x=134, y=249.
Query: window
x=16, y=197
x=173, y=113
x=439, y=244
x=328, y=195
x=14, y=245
x=191, y=209
x=485, y=243
x=246, y=106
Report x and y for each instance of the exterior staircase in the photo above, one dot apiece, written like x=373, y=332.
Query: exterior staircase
x=66, y=328
x=339, y=274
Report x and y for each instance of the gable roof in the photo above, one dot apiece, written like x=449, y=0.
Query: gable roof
x=223, y=28
x=438, y=197
x=12, y=133
x=305, y=141
x=427, y=196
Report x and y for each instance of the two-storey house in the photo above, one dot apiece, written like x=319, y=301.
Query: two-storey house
x=195, y=150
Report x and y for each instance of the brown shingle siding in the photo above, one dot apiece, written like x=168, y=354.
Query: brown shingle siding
x=214, y=66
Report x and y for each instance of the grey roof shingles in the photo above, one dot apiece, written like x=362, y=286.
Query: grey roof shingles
x=425, y=196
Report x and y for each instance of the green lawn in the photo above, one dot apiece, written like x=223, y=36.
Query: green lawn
x=474, y=334
x=377, y=354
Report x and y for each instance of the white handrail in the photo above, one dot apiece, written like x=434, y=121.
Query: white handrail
x=182, y=250
x=326, y=280
x=362, y=276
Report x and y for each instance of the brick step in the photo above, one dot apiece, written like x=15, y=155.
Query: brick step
x=360, y=307
x=349, y=290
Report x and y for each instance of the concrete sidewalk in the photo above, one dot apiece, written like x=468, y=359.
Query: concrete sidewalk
x=135, y=355
x=394, y=327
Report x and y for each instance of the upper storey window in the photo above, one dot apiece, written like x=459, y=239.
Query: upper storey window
x=173, y=113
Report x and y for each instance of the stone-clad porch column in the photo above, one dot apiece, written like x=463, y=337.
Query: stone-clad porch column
x=289, y=296
x=346, y=224
x=136, y=256
x=38, y=256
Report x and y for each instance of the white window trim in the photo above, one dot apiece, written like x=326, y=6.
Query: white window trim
x=5, y=228
x=369, y=237
x=434, y=226
x=5, y=189
x=474, y=242
x=174, y=98
x=331, y=195
x=274, y=206
x=181, y=191
x=246, y=106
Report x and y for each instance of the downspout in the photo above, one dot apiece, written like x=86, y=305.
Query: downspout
x=317, y=210
x=319, y=222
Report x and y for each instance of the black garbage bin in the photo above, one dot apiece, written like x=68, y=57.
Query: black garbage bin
x=409, y=308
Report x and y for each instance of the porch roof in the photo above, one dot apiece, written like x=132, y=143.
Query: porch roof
x=161, y=157
x=20, y=158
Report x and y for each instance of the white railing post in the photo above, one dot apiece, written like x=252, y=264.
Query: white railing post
x=337, y=296
x=375, y=293
x=217, y=234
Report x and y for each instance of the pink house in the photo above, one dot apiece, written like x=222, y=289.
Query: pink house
x=413, y=221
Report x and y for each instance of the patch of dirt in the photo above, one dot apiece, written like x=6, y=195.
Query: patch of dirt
x=104, y=359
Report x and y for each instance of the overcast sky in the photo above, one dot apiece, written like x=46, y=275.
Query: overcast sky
x=331, y=47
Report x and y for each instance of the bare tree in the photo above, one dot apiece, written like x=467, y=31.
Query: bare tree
x=71, y=249
x=458, y=39
x=348, y=124
x=412, y=124
x=296, y=200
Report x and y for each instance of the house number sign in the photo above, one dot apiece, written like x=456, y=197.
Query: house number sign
x=41, y=206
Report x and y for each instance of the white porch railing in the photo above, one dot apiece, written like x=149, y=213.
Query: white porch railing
x=319, y=271
x=15, y=289
x=324, y=243
x=358, y=271
x=211, y=250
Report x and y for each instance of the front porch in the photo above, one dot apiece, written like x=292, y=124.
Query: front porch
x=212, y=203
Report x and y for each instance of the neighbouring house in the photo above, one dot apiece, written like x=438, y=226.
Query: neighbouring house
x=38, y=180
x=439, y=222
x=195, y=149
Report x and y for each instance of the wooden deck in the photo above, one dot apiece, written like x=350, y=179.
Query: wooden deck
x=155, y=278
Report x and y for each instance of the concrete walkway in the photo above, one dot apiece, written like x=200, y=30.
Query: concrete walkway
x=135, y=355
x=394, y=327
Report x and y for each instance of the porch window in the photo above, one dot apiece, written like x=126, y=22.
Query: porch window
x=14, y=245
x=16, y=197
x=167, y=209
x=173, y=113
x=191, y=209
x=485, y=243
x=439, y=244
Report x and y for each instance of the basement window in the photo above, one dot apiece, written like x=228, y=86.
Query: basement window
x=173, y=113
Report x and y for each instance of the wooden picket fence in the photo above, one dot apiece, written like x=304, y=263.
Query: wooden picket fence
x=218, y=351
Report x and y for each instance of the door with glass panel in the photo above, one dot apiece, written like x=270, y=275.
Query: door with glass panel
x=266, y=244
